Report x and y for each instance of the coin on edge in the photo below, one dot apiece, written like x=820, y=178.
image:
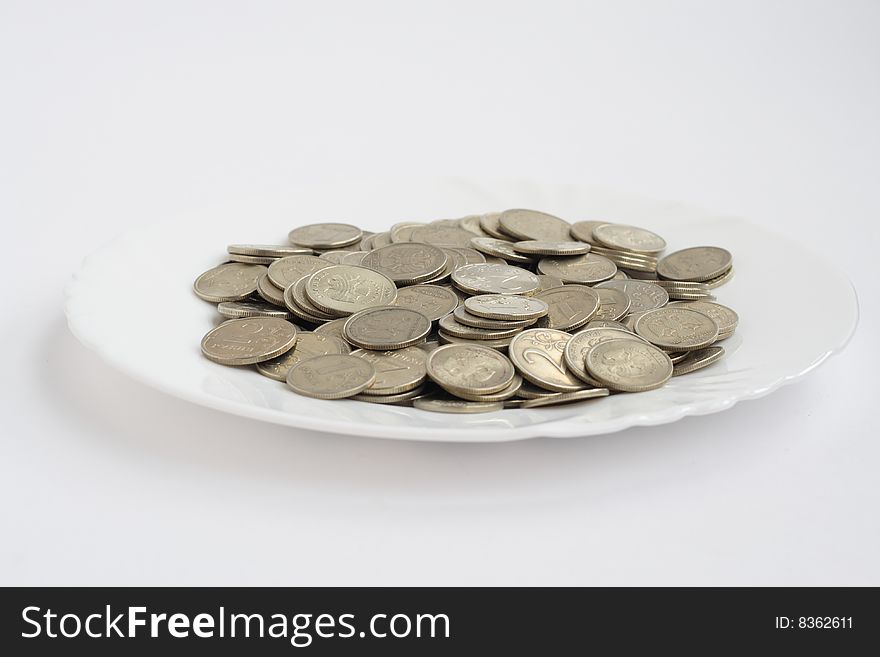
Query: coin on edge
x=250, y=340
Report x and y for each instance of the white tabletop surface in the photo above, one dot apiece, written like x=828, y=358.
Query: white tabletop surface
x=114, y=114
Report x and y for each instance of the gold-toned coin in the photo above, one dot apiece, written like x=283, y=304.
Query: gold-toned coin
x=613, y=304
x=250, y=340
x=433, y=301
x=267, y=250
x=407, y=263
x=325, y=236
x=267, y=290
x=587, y=269
x=289, y=270
x=331, y=376
x=628, y=365
x=397, y=371
x=446, y=404
x=476, y=370
x=542, y=248
x=386, y=328
x=232, y=281
x=495, y=279
x=676, y=328
x=698, y=263
x=451, y=326
x=697, y=360
x=559, y=398
x=534, y=225
x=571, y=306
x=629, y=238
x=247, y=308
x=539, y=357
x=308, y=345
x=344, y=289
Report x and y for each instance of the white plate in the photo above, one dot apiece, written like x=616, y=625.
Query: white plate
x=132, y=303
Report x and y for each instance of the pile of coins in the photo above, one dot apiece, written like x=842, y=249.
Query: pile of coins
x=516, y=309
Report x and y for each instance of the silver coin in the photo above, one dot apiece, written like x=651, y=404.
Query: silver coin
x=613, y=304
x=250, y=340
x=697, y=360
x=726, y=318
x=251, y=259
x=397, y=371
x=559, y=398
x=407, y=263
x=586, y=269
x=490, y=223
x=308, y=345
x=629, y=238
x=583, y=230
x=471, y=223
x=332, y=376
x=386, y=328
x=325, y=236
x=446, y=404
x=239, y=309
x=699, y=263
x=478, y=370
x=509, y=307
x=398, y=399
x=548, y=282
x=538, y=355
x=267, y=290
x=531, y=391
x=628, y=365
x=542, y=248
x=451, y=326
x=534, y=225
x=495, y=279
x=642, y=294
x=500, y=344
x=462, y=316
x=300, y=301
x=501, y=395
x=571, y=306
x=604, y=323
x=232, y=281
x=267, y=250
x=432, y=301
x=440, y=234
x=676, y=328
x=402, y=232
x=344, y=289
x=576, y=350
x=332, y=328
x=471, y=256
x=499, y=249
x=289, y=270
x=336, y=257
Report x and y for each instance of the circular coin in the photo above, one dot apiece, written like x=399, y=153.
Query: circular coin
x=506, y=307
x=238, y=309
x=451, y=326
x=407, y=263
x=629, y=238
x=250, y=340
x=581, y=342
x=397, y=371
x=628, y=365
x=676, y=328
x=565, y=398
x=643, y=295
x=586, y=269
x=501, y=395
x=699, y=263
x=432, y=301
x=583, y=230
x=441, y=404
x=267, y=250
x=478, y=370
x=495, y=279
x=346, y=289
x=289, y=270
x=332, y=376
x=539, y=356
x=462, y=316
x=232, y=281
x=537, y=247
x=490, y=223
x=442, y=234
x=613, y=304
x=534, y=225
x=571, y=306
x=499, y=249
x=325, y=236
x=724, y=317
x=268, y=290
x=386, y=328
x=333, y=327
x=697, y=360
x=308, y=345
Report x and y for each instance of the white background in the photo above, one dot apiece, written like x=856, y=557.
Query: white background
x=114, y=114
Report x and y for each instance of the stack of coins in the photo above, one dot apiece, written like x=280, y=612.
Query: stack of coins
x=516, y=309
